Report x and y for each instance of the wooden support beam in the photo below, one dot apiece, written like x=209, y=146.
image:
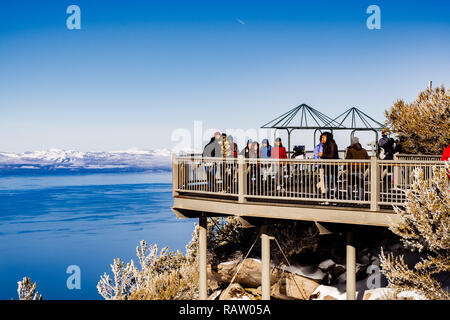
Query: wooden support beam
x=203, y=280
x=291, y=212
x=265, y=260
x=350, y=266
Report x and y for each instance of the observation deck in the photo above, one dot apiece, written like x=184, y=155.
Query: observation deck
x=348, y=193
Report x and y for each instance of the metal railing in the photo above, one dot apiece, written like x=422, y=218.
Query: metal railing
x=371, y=183
x=417, y=157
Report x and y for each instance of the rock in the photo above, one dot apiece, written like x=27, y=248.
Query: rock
x=342, y=278
x=214, y=295
x=365, y=259
x=326, y=265
x=255, y=292
x=213, y=284
x=235, y=291
x=376, y=261
x=295, y=286
x=337, y=270
x=361, y=271
x=307, y=271
x=249, y=274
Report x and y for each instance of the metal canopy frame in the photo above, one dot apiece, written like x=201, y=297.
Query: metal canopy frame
x=297, y=119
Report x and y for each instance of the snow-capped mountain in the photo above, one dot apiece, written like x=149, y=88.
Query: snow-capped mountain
x=76, y=161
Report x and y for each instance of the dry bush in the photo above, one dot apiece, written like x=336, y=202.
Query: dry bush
x=167, y=275
x=425, y=228
x=422, y=126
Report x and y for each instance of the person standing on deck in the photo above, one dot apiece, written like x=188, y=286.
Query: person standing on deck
x=317, y=149
x=234, y=146
x=355, y=171
x=330, y=152
x=265, y=150
x=278, y=152
x=231, y=170
x=227, y=152
x=253, y=169
x=246, y=150
x=211, y=150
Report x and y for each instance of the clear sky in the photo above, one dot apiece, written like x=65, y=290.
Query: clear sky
x=138, y=70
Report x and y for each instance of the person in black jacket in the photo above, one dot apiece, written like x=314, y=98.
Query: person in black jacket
x=246, y=151
x=212, y=149
x=330, y=151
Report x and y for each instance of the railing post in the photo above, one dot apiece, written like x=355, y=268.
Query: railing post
x=374, y=184
x=174, y=175
x=241, y=179
x=396, y=172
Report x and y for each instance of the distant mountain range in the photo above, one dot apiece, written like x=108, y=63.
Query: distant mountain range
x=62, y=161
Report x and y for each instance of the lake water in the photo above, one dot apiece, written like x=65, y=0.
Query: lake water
x=48, y=223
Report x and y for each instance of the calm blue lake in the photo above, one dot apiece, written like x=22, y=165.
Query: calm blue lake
x=48, y=223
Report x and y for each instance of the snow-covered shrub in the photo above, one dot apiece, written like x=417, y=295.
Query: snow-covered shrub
x=425, y=228
x=27, y=290
x=165, y=275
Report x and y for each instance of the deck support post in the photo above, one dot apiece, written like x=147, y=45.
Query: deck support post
x=265, y=260
x=203, y=280
x=350, y=266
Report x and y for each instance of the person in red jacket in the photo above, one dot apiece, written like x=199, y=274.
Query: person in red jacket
x=446, y=153
x=278, y=152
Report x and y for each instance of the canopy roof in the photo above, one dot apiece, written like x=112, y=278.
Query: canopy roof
x=306, y=117
x=302, y=117
x=354, y=118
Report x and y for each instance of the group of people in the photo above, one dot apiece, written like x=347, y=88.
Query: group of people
x=328, y=173
x=222, y=145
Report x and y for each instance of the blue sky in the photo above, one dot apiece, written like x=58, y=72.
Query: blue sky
x=138, y=70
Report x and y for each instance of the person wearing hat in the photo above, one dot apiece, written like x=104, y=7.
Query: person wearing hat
x=355, y=171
